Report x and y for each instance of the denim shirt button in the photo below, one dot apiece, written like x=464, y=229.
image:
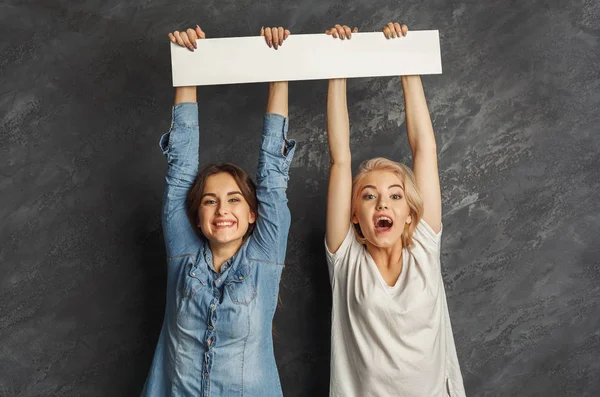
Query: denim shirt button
x=241, y=277
x=218, y=281
x=193, y=274
x=212, y=306
x=206, y=374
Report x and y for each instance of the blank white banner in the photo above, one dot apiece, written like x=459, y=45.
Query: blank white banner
x=305, y=57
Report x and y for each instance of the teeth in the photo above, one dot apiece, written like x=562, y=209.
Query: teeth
x=383, y=218
x=224, y=223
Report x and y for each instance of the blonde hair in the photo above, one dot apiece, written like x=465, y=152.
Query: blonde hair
x=411, y=193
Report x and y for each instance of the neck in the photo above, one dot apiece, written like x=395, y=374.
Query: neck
x=386, y=257
x=221, y=253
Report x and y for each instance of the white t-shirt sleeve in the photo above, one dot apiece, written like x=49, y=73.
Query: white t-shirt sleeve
x=426, y=251
x=426, y=237
x=334, y=259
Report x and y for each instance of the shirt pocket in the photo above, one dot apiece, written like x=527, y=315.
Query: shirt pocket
x=193, y=281
x=241, y=286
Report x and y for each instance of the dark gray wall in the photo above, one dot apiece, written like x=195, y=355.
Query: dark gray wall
x=85, y=94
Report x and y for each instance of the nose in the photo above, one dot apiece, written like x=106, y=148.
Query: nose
x=222, y=209
x=381, y=205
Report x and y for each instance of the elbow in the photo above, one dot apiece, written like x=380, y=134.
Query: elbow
x=341, y=164
x=342, y=159
x=428, y=147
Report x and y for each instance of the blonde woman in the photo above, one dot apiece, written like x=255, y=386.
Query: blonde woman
x=391, y=332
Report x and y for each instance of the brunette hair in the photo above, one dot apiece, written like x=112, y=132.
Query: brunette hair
x=245, y=183
x=411, y=193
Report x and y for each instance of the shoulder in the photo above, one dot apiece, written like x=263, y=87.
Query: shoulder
x=425, y=236
x=350, y=252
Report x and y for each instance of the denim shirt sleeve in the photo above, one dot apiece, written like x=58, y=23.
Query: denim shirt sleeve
x=273, y=221
x=180, y=147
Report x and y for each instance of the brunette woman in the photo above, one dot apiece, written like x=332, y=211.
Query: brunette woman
x=226, y=241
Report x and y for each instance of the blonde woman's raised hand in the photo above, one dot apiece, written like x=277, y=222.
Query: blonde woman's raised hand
x=187, y=38
x=274, y=36
x=394, y=29
x=341, y=31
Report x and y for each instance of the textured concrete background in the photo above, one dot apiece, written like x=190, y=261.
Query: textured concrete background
x=85, y=94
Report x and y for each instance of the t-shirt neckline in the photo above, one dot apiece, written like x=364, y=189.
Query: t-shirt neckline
x=390, y=290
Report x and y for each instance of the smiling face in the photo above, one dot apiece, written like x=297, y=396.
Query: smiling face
x=381, y=208
x=224, y=215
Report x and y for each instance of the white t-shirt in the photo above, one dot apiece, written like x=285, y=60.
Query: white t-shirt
x=391, y=341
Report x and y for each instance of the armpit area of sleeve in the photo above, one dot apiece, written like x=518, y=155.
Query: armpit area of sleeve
x=334, y=258
x=424, y=230
x=185, y=114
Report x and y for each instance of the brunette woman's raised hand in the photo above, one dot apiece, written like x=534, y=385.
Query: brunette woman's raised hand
x=187, y=38
x=278, y=90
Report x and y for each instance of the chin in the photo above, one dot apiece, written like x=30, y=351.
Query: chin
x=226, y=239
x=384, y=241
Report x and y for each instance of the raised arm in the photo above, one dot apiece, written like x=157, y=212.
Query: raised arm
x=340, y=171
x=180, y=147
x=420, y=139
x=275, y=156
x=424, y=152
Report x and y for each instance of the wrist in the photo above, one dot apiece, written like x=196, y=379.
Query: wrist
x=185, y=94
x=410, y=79
x=278, y=84
x=337, y=82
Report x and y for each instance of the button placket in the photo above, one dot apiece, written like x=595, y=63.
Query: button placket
x=210, y=341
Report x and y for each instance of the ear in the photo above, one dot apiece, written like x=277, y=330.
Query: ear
x=409, y=220
x=355, y=219
x=252, y=217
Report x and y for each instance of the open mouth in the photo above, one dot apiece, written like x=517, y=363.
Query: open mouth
x=383, y=224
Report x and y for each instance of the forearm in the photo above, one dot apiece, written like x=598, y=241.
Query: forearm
x=185, y=94
x=278, y=98
x=272, y=177
x=418, y=121
x=338, y=124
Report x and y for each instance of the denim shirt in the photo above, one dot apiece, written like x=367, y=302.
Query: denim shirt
x=216, y=339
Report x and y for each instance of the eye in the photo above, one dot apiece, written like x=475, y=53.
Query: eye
x=209, y=202
x=396, y=197
x=234, y=200
x=369, y=196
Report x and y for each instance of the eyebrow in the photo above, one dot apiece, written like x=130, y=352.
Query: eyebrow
x=373, y=187
x=214, y=195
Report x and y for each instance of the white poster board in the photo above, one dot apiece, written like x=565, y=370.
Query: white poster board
x=305, y=57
